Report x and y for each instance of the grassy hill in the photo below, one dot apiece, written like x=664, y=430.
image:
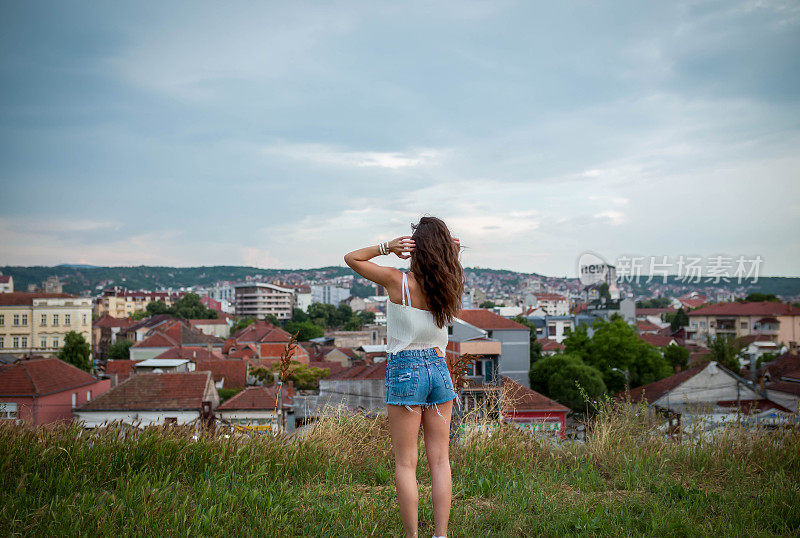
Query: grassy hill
x=338, y=481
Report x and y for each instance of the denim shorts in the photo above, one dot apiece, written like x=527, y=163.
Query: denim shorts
x=418, y=377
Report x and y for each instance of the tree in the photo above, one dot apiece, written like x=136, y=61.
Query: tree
x=725, y=350
x=271, y=318
x=322, y=314
x=139, y=315
x=660, y=302
x=190, y=306
x=543, y=370
x=366, y=317
x=304, y=377
x=615, y=344
x=119, y=350
x=487, y=304
x=76, y=351
x=759, y=297
x=677, y=356
x=306, y=330
x=241, y=324
x=679, y=320
x=563, y=385
x=155, y=308
x=299, y=315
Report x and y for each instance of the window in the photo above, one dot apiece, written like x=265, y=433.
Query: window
x=2, y=320
x=15, y=341
x=44, y=320
x=744, y=325
x=55, y=342
x=2, y=342
x=8, y=410
x=55, y=320
x=83, y=319
x=24, y=341
x=488, y=334
x=702, y=324
x=74, y=400
x=24, y=320
x=88, y=395
x=44, y=343
x=16, y=319
x=67, y=320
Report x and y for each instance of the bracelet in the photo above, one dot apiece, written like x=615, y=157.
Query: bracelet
x=384, y=247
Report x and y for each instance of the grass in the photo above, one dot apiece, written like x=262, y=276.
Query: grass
x=338, y=481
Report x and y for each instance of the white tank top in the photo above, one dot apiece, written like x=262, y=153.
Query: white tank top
x=411, y=328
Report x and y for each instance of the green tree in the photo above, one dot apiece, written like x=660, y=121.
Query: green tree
x=306, y=330
x=139, y=315
x=344, y=314
x=299, y=315
x=615, y=344
x=76, y=351
x=677, y=356
x=155, y=308
x=487, y=304
x=190, y=306
x=679, y=320
x=271, y=318
x=304, y=377
x=241, y=324
x=366, y=317
x=119, y=350
x=603, y=291
x=563, y=385
x=322, y=314
x=725, y=350
x=759, y=297
x=660, y=302
x=541, y=372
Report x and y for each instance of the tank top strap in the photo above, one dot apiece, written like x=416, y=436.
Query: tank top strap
x=406, y=292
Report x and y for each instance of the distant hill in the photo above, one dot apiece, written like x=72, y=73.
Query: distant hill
x=79, y=279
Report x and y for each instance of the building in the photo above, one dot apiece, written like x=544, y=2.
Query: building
x=36, y=323
x=369, y=336
x=215, y=327
x=164, y=366
x=121, y=303
x=328, y=294
x=227, y=373
x=253, y=409
x=153, y=400
x=258, y=300
x=302, y=297
x=778, y=321
x=139, y=330
x=343, y=355
x=781, y=380
x=553, y=304
x=6, y=284
x=43, y=390
x=514, y=360
x=531, y=411
x=53, y=285
x=360, y=388
x=467, y=339
x=709, y=393
x=175, y=334
x=262, y=344
x=105, y=331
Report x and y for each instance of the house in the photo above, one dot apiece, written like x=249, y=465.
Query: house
x=532, y=411
x=121, y=303
x=139, y=330
x=710, y=393
x=43, y=390
x=373, y=353
x=643, y=314
x=172, y=334
x=6, y=284
x=781, y=380
x=253, y=409
x=658, y=340
x=467, y=339
x=119, y=370
x=370, y=335
x=550, y=347
x=153, y=400
x=690, y=301
x=161, y=366
x=37, y=323
x=263, y=343
x=215, y=327
x=227, y=373
x=552, y=303
x=514, y=354
x=343, y=355
x=779, y=321
x=105, y=331
x=647, y=327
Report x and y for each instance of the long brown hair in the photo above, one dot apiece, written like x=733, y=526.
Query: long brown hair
x=435, y=264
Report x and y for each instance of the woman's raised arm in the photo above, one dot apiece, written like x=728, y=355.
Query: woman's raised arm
x=358, y=260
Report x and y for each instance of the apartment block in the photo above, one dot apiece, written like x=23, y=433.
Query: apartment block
x=36, y=323
x=259, y=299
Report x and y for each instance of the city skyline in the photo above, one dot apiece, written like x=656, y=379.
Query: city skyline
x=283, y=136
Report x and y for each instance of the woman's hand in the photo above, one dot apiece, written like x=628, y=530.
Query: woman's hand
x=402, y=246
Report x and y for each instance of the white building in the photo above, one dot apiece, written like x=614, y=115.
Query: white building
x=259, y=299
x=553, y=304
x=328, y=294
x=6, y=284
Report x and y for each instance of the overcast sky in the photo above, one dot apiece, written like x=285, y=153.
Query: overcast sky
x=285, y=134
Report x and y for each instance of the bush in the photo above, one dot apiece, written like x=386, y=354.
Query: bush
x=565, y=384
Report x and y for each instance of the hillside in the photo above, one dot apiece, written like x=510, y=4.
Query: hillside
x=338, y=481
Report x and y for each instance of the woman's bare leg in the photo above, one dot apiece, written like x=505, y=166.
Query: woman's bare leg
x=404, y=428
x=436, y=429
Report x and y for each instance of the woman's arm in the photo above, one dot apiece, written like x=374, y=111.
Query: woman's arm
x=358, y=260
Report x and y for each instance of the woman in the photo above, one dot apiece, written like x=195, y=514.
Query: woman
x=419, y=387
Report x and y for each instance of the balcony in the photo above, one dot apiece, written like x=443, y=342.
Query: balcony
x=479, y=347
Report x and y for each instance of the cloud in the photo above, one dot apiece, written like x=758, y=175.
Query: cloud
x=322, y=154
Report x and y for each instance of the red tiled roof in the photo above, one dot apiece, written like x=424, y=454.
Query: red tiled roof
x=792, y=376
x=259, y=398
x=5, y=279
x=763, y=308
x=107, y=321
x=549, y=297
x=653, y=391
x=750, y=338
x=149, y=392
x=123, y=368
x=549, y=344
x=262, y=331
x=232, y=371
x=21, y=298
x=785, y=386
x=41, y=376
x=157, y=339
x=333, y=366
x=207, y=321
x=518, y=397
x=692, y=303
x=646, y=326
x=363, y=371
x=782, y=365
x=658, y=340
x=192, y=353
x=487, y=320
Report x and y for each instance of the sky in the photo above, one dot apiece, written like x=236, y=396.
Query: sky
x=285, y=134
